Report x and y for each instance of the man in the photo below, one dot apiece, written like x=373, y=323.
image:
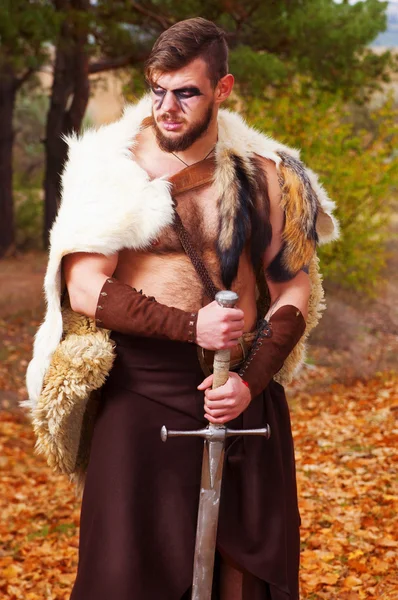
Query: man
x=260, y=211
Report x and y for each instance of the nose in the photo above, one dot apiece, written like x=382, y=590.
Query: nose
x=170, y=102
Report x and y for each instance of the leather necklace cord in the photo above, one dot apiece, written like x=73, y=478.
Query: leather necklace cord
x=198, y=161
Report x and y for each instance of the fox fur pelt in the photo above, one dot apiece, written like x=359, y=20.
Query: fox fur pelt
x=109, y=203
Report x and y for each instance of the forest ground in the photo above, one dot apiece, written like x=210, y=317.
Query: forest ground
x=344, y=412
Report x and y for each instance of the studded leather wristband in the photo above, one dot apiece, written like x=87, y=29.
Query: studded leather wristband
x=275, y=341
x=122, y=308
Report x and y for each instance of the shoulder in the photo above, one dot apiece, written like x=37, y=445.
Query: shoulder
x=107, y=199
x=294, y=210
x=270, y=170
x=300, y=187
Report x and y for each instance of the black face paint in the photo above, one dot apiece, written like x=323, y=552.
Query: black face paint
x=161, y=94
x=181, y=95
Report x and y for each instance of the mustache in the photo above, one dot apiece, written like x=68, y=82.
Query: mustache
x=170, y=117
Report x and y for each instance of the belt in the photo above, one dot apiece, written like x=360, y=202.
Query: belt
x=239, y=353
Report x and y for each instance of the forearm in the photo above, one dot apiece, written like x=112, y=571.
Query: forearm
x=83, y=296
x=85, y=274
x=121, y=308
x=275, y=342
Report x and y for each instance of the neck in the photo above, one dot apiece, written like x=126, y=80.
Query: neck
x=202, y=146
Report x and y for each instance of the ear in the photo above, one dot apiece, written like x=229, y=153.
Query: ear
x=224, y=88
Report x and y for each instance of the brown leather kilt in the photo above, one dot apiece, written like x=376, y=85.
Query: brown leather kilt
x=140, y=501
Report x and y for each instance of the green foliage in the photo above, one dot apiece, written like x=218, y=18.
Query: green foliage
x=255, y=68
x=29, y=125
x=29, y=121
x=25, y=30
x=354, y=153
x=319, y=38
x=29, y=218
x=270, y=41
x=135, y=87
x=321, y=41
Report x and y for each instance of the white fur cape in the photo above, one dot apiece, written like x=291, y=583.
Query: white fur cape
x=109, y=203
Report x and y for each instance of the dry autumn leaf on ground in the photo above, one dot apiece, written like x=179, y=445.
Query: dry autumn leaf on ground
x=346, y=463
x=346, y=450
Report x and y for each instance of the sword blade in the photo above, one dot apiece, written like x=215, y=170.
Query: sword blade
x=212, y=469
x=209, y=506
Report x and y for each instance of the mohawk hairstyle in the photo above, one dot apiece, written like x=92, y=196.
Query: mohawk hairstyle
x=184, y=42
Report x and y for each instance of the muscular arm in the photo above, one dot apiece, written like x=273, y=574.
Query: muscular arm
x=286, y=323
x=296, y=291
x=115, y=305
x=85, y=274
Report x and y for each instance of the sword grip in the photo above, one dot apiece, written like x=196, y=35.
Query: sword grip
x=222, y=358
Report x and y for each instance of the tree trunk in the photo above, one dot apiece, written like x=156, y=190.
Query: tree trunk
x=69, y=99
x=8, y=88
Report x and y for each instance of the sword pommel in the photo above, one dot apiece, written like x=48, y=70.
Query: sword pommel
x=164, y=434
x=227, y=299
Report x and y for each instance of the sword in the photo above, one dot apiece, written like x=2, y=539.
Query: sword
x=212, y=469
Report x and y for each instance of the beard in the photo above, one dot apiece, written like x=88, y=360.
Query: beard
x=185, y=140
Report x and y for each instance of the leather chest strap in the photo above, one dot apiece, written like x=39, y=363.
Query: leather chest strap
x=193, y=177
x=188, y=179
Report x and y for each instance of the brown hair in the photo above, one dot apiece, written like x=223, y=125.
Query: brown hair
x=183, y=42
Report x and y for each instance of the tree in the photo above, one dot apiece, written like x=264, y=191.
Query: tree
x=352, y=149
x=69, y=96
x=24, y=31
x=273, y=41
x=270, y=43
x=92, y=38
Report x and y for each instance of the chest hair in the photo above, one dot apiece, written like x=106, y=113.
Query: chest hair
x=199, y=215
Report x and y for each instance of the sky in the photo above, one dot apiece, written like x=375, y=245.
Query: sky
x=389, y=37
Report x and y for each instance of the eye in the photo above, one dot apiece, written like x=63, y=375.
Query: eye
x=190, y=93
x=157, y=91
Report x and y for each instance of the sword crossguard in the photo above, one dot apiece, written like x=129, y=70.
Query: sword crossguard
x=214, y=433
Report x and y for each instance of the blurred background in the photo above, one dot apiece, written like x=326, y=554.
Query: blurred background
x=319, y=75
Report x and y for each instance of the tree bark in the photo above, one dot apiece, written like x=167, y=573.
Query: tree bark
x=8, y=89
x=69, y=99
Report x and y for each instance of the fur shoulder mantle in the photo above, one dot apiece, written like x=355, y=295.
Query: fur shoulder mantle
x=109, y=202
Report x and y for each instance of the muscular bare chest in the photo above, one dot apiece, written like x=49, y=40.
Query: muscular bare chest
x=199, y=214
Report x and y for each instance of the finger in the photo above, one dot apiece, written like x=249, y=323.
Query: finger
x=216, y=412
x=219, y=393
x=217, y=420
x=225, y=404
x=224, y=418
x=206, y=383
x=237, y=326
x=234, y=334
x=233, y=314
x=233, y=326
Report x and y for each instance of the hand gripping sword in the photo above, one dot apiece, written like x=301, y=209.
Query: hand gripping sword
x=212, y=470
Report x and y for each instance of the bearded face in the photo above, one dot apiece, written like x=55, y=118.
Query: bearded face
x=182, y=106
x=180, y=141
